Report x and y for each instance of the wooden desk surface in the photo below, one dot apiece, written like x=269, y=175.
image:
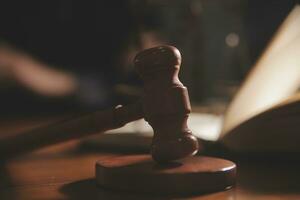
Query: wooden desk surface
x=67, y=172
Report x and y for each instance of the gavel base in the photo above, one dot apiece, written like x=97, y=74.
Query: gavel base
x=139, y=173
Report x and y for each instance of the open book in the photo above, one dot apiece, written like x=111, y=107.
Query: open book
x=265, y=113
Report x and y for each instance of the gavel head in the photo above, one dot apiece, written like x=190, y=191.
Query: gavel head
x=166, y=103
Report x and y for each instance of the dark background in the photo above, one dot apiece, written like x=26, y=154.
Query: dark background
x=96, y=41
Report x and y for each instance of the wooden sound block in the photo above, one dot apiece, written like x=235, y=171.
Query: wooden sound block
x=139, y=173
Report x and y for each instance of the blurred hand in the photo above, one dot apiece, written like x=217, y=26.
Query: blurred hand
x=35, y=75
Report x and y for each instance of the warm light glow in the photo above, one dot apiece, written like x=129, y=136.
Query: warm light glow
x=274, y=78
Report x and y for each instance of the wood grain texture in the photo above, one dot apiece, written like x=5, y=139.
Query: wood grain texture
x=139, y=173
x=66, y=171
x=166, y=103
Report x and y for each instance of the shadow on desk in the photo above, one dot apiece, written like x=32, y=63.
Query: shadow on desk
x=5, y=180
x=256, y=180
x=270, y=176
x=66, y=171
x=87, y=189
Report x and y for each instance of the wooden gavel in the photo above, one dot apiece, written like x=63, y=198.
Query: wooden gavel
x=165, y=105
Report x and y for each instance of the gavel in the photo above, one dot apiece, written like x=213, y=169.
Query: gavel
x=164, y=105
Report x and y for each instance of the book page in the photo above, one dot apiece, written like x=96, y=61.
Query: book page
x=274, y=78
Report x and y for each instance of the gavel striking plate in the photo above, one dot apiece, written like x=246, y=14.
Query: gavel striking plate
x=165, y=106
x=172, y=169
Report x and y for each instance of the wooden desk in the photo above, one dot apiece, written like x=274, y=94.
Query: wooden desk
x=67, y=172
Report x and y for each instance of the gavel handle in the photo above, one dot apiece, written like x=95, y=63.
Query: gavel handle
x=96, y=122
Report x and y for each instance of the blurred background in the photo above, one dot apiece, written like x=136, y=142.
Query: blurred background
x=76, y=56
